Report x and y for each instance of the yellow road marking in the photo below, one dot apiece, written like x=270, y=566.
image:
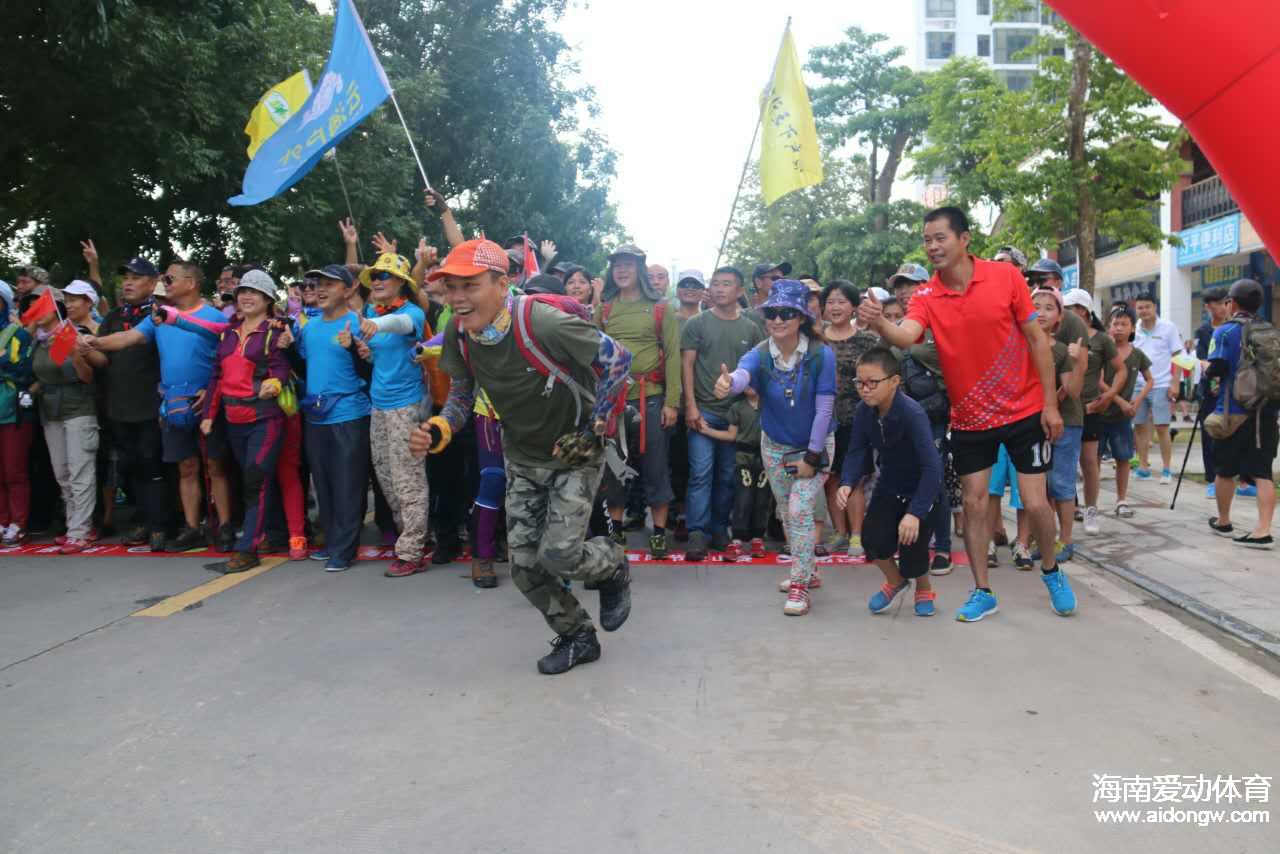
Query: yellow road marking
x=174, y=604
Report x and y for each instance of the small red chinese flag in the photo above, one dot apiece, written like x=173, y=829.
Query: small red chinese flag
x=63, y=344
x=40, y=308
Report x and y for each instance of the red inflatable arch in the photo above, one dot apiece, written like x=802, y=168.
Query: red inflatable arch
x=1216, y=65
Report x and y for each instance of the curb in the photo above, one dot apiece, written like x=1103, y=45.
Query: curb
x=1259, y=639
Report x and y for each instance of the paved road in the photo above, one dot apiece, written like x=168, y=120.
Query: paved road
x=306, y=712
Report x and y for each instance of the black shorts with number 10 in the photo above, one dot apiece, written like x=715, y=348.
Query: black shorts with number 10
x=975, y=450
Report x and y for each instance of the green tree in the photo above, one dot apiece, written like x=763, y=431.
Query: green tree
x=1082, y=152
x=127, y=121
x=870, y=102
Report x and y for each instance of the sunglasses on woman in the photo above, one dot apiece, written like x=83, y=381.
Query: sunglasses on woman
x=783, y=314
x=379, y=277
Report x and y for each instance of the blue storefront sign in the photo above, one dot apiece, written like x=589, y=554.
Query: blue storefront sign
x=1209, y=240
x=1070, y=278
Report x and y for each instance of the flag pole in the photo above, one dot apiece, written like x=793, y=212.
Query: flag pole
x=343, y=184
x=737, y=193
x=408, y=136
x=759, y=121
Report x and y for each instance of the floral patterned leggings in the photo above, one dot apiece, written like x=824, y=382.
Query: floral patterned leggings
x=797, y=498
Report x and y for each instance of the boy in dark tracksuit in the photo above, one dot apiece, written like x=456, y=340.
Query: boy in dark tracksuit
x=898, y=519
x=752, y=497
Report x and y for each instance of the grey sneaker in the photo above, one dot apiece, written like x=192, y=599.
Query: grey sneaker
x=697, y=550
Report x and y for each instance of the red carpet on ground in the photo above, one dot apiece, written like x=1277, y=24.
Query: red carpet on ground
x=374, y=553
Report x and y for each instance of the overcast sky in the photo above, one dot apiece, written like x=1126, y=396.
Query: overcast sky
x=677, y=82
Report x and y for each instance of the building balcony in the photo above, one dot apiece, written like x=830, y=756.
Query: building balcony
x=1206, y=200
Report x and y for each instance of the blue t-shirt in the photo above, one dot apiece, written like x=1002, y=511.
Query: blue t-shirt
x=782, y=422
x=185, y=357
x=397, y=379
x=330, y=369
x=1225, y=346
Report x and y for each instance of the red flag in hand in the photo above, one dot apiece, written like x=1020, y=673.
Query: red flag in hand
x=530, y=260
x=40, y=308
x=63, y=344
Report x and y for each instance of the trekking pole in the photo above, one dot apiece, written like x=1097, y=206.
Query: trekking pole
x=1195, y=430
x=210, y=506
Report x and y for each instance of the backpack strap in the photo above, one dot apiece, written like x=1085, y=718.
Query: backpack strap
x=540, y=361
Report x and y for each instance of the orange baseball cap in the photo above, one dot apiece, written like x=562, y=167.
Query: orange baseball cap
x=471, y=259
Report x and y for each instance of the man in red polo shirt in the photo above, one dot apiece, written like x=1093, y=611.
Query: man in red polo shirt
x=999, y=369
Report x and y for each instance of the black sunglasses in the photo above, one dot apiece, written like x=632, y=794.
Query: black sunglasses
x=783, y=314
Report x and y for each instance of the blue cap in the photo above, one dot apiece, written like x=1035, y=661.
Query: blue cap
x=1047, y=266
x=337, y=272
x=789, y=293
x=141, y=266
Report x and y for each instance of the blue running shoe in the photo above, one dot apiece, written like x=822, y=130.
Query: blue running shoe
x=319, y=554
x=1067, y=552
x=1142, y=474
x=980, y=604
x=1211, y=491
x=1246, y=490
x=924, y=604
x=884, y=597
x=1061, y=596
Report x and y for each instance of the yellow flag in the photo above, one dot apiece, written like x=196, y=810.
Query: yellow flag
x=274, y=108
x=789, y=158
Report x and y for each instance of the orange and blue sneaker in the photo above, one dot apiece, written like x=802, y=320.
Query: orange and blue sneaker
x=884, y=597
x=924, y=603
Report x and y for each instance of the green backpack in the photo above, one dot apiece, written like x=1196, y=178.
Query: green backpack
x=1257, y=380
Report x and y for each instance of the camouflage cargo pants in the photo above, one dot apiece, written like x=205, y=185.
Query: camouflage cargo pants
x=547, y=515
x=402, y=476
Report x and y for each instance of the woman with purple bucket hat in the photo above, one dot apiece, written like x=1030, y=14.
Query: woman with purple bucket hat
x=794, y=373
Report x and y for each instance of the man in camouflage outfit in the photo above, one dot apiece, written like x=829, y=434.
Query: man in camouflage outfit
x=550, y=437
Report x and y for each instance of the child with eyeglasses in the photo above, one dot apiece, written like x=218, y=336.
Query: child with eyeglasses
x=892, y=431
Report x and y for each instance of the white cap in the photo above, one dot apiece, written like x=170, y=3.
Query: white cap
x=880, y=294
x=81, y=288
x=696, y=275
x=260, y=281
x=1080, y=297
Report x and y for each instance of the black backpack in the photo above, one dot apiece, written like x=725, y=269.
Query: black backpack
x=924, y=387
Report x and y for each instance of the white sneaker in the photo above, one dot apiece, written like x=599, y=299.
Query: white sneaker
x=1166, y=477
x=10, y=533
x=1107, y=472
x=1091, y=520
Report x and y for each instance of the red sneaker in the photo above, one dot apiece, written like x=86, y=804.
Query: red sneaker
x=298, y=548
x=757, y=547
x=402, y=568
x=733, y=551
x=73, y=545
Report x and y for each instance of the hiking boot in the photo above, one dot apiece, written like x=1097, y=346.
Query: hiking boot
x=697, y=550
x=241, y=561
x=187, y=540
x=615, y=598
x=404, y=568
x=658, y=546
x=568, y=651
x=797, y=601
x=156, y=541
x=482, y=574
x=720, y=541
x=815, y=581
x=136, y=536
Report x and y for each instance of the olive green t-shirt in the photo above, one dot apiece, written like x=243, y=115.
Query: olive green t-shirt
x=1101, y=351
x=1071, y=329
x=631, y=324
x=717, y=342
x=531, y=421
x=1071, y=409
x=62, y=395
x=746, y=418
x=1135, y=363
